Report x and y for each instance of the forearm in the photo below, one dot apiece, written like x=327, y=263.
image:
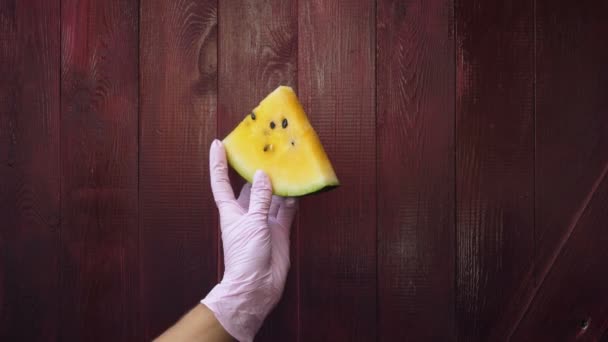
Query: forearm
x=197, y=325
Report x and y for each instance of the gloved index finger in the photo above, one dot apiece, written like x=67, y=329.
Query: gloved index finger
x=218, y=172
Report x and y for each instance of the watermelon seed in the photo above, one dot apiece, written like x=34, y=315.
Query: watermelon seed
x=293, y=143
x=272, y=125
x=252, y=116
x=284, y=123
x=266, y=148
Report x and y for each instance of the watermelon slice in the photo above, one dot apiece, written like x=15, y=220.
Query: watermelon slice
x=277, y=138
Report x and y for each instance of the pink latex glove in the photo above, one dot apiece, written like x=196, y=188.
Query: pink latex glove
x=255, y=234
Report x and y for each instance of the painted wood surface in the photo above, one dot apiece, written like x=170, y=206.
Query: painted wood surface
x=494, y=164
x=571, y=162
x=415, y=129
x=29, y=170
x=470, y=139
x=99, y=109
x=178, y=236
x=337, y=250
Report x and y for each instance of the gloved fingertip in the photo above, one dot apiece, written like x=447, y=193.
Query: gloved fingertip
x=261, y=181
x=216, y=150
x=260, y=176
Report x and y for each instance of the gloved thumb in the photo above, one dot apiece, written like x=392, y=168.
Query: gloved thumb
x=261, y=194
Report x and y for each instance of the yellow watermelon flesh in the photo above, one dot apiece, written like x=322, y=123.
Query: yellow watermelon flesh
x=277, y=138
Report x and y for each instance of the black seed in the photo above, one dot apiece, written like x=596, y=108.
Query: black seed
x=272, y=125
x=252, y=116
x=293, y=143
x=266, y=148
x=284, y=123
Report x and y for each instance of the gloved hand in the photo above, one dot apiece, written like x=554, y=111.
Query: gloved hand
x=255, y=234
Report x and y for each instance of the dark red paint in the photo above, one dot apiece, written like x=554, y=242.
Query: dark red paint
x=571, y=302
x=29, y=170
x=177, y=122
x=470, y=138
x=99, y=259
x=494, y=164
x=337, y=249
x=571, y=161
x=415, y=128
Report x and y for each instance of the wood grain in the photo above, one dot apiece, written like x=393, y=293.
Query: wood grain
x=571, y=136
x=415, y=179
x=337, y=251
x=571, y=107
x=470, y=139
x=99, y=88
x=258, y=49
x=178, y=224
x=572, y=303
x=29, y=169
x=494, y=164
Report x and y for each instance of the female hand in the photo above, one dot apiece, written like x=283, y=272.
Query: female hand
x=255, y=234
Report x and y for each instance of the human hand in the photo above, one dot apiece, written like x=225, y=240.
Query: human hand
x=255, y=235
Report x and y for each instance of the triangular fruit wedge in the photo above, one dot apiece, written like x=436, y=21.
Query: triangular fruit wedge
x=277, y=138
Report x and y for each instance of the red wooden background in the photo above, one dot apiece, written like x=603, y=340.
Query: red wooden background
x=471, y=139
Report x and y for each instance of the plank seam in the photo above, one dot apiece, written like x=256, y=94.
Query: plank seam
x=298, y=243
x=60, y=242
x=455, y=175
x=376, y=51
x=140, y=317
x=534, y=157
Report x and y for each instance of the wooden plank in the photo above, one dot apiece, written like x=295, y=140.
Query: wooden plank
x=415, y=103
x=572, y=114
x=572, y=302
x=571, y=136
x=99, y=95
x=258, y=48
x=337, y=246
x=494, y=164
x=29, y=169
x=178, y=220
